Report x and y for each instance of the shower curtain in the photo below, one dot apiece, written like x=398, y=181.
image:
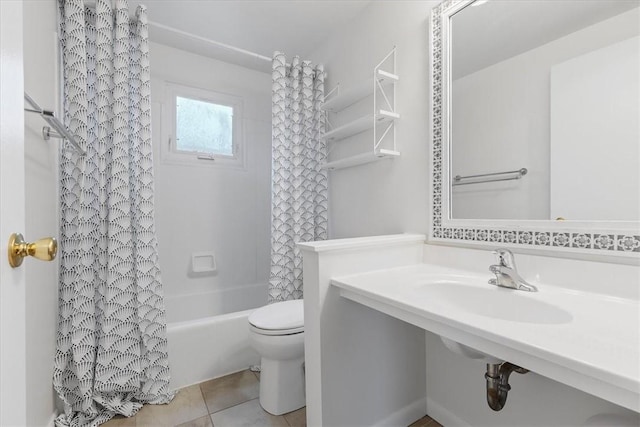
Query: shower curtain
x=111, y=352
x=299, y=184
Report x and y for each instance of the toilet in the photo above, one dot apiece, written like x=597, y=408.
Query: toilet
x=276, y=332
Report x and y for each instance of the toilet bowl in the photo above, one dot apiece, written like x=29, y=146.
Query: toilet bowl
x=276, y=332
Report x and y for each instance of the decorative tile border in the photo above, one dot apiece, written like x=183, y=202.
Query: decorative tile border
x=599, y=242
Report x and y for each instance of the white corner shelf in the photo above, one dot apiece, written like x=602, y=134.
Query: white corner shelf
x=361, y=159
x=360, y=125
x=357, y=93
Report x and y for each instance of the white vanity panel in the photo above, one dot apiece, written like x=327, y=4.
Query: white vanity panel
x=363, y=368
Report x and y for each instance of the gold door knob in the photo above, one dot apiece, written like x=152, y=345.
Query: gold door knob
x=43, y=249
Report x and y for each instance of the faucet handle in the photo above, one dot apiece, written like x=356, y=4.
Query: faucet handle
x=505, y=258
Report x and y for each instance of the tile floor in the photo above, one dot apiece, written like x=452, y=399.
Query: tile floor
x=230, y=401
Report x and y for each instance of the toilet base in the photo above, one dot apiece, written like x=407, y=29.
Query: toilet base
x=282, y=385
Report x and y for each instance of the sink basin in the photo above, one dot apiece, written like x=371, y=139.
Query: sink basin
x=498, y=303
x=468, y=352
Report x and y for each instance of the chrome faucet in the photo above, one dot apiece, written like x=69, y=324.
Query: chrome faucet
x=506, y=274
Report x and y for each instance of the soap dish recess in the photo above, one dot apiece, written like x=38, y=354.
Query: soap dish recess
x=203, y=262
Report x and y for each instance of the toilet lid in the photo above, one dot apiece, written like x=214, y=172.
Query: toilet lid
x=280, y=316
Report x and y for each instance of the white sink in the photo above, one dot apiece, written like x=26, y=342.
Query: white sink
x=586, y=340
x=496, y=302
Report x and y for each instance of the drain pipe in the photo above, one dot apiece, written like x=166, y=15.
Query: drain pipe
x=498, y=387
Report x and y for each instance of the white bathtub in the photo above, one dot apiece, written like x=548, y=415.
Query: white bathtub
x=208, y=334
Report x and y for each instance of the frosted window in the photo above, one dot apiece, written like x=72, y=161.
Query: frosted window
x=204, y=127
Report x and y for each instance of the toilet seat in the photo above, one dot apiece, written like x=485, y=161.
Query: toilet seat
x=276, y=331
x=281, y=318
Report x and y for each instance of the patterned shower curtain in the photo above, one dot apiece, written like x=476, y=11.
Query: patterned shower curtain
x=299, y=184
x=111, y=343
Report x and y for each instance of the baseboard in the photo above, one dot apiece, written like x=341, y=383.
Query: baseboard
x=443, y=415
x=405, y=416
x=212, y=378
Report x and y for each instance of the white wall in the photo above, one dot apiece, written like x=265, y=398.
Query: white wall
x=388, y=196
x=209, y=208
x=41, y=82
x=501, y=122
x=392, y=197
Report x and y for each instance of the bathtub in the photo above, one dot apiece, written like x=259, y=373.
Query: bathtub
x=208, y=334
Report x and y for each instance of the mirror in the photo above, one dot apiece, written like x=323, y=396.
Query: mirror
x=551, y=87
x=536, y=123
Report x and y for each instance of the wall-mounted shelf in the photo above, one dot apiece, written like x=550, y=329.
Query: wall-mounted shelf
x=382, y=87
x=350, y=96
x=360, y=159
x=361, y=124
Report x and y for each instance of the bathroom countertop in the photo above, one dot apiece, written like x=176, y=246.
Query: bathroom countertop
x=591, y=342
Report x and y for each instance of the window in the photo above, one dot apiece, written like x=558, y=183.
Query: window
x=206, y=127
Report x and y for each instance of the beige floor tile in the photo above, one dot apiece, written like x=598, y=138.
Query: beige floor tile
x=297, y=418
x=120, y=421
x=248, y=414
x=186, y=406
x=424, y=422
x=231, y=390
x=200, y=422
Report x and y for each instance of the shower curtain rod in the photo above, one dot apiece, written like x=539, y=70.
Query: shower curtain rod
x=216, y=43
x=92, y=4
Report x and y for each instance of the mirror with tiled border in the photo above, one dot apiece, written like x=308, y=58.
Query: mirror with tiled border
x=611, y=239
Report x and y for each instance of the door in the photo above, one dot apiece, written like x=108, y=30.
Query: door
x=12, y=214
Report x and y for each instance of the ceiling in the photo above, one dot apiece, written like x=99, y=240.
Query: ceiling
x=295, y=27
x=496, y=30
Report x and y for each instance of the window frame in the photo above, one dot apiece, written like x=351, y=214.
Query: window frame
x=170, y=152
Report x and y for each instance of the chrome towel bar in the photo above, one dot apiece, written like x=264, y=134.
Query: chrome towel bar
x=489, y=177
x=59, y=130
